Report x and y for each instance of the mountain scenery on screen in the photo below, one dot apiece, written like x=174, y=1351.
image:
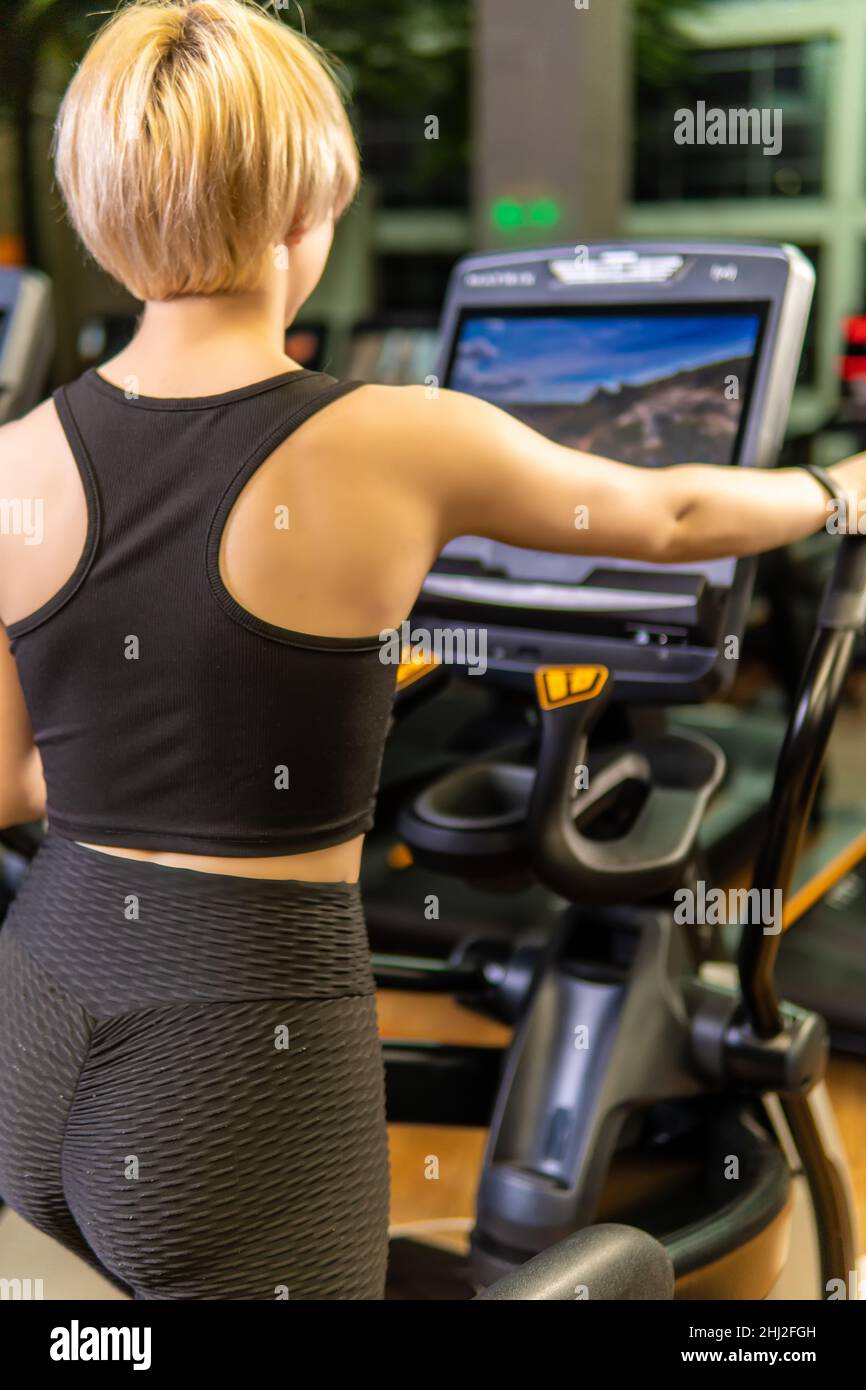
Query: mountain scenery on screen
x=647, y=389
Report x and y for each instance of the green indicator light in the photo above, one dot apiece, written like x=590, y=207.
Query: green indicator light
x=544, y=213
x=507, y=213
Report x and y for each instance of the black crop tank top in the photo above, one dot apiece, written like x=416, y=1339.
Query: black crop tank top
x=167, y=716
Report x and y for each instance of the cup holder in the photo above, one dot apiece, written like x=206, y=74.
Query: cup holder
x=472, y=821
x=488, y=796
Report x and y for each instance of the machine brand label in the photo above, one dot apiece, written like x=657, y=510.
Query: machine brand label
x=489, y=279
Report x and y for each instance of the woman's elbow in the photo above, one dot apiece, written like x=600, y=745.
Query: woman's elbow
x=663, y=540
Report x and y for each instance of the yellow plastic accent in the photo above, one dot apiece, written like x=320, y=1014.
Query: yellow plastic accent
x=567, y=685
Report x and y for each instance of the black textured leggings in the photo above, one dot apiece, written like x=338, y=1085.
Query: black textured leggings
x=191, y=1082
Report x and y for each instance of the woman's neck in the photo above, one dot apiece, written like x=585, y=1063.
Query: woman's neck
x=201, y=346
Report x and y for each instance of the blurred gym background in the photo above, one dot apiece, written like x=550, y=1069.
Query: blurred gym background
x=490, y=122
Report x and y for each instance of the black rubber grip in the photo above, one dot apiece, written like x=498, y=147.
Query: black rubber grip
x=843, y=606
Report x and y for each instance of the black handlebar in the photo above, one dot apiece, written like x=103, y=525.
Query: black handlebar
x=840, y=622
x=843, y=605
x=679, y=775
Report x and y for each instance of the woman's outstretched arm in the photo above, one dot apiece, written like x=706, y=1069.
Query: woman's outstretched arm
x=491, y=475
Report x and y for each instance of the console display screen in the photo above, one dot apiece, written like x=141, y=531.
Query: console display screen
x=641, y=386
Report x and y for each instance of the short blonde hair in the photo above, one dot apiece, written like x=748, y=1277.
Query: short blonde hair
x=194, y=136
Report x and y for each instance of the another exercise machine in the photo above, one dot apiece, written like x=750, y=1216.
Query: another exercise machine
x=26, y=339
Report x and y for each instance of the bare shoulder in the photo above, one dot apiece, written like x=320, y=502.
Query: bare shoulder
x=414, y=425
x=448, y=458
x=367, y=425
x=27, y=444
x=379, y=408
x=415, y=405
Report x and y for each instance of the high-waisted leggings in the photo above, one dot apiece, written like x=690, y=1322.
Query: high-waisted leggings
x=191, y=1082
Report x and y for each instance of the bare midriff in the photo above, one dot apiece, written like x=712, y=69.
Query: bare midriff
x=336, y=864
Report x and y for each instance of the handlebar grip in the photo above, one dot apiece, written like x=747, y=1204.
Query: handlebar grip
x=843, y=607
x=681, y=773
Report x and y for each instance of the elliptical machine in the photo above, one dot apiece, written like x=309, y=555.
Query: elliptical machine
x=624, y=1043
x=645, y=1083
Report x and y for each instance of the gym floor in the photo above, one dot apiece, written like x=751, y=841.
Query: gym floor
x=441, y=1209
